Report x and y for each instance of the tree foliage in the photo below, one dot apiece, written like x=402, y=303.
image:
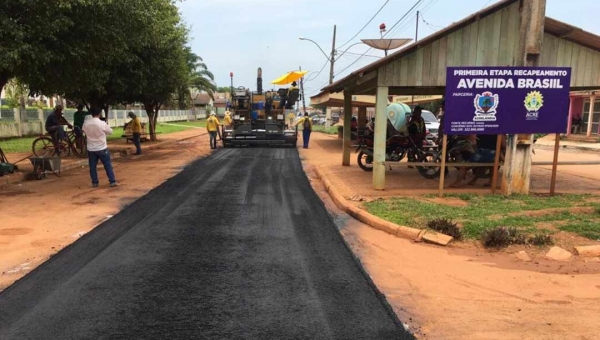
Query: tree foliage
x=103, y=52
x=199, y=79
x=28, y=31
x=224, y=89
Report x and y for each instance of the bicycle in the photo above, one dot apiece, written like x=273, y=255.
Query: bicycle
x=43, y=146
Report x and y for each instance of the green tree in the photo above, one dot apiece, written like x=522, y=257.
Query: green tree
x=199, y=79
x=88, y=60
x=224, y=89
x=159, y=68
x=28, y=30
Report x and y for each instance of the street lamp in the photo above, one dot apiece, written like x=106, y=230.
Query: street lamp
x=314, y=42
x=331, y=57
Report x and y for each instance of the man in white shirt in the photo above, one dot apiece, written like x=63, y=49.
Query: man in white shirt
x=96, y=132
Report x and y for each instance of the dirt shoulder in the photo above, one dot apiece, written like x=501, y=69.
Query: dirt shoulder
x=463, y=291
x=39, y=218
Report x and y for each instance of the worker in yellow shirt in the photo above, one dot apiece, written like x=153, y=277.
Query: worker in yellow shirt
x=136, y=129
x=228, y=120
x=306, y=128
x=212, y=126
x=291, y=117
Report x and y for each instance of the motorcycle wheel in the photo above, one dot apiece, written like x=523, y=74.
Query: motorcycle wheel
x=365, y=161
x=483, y=172
x=429, y=172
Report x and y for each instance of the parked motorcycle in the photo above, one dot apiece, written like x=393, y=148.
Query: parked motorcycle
x=455, y=147
x=396, y=149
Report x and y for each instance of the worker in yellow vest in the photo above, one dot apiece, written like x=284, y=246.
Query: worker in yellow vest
x=227, y=120
x=136, y=131
x=212, y=126
x=291, y=117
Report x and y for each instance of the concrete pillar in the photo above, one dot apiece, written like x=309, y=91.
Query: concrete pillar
x=362, y=118
x=327, y=118
x=380, y=134
x=570, y=121
x=17, y=117
x=40, y=113
x=347, y=129
x=591, y=115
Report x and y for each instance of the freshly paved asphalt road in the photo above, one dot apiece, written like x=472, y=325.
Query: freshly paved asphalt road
x=237, y=246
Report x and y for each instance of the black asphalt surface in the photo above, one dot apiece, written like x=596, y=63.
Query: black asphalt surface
x=236, y=246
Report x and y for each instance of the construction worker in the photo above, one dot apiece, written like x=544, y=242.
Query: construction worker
x=212, y=126
x=136, y=130
x=227, y=120
x=291, y=117
x=306, y=128
x=292, y=88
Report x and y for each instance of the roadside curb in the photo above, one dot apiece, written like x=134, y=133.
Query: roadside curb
x=569, y=147
x=379, y=223
x=116, y=152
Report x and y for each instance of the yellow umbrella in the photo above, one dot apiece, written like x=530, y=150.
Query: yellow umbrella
x=289, y=77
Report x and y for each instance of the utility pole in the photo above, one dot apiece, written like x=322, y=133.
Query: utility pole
x=517, y=165
x=332, y=60
x=417, y=32
x=416, y=40
x=302, y=91
x=231, y=89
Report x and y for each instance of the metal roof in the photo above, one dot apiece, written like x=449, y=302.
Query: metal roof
x=551, y=26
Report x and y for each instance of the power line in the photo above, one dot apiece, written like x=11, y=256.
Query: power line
x=413, y=20
x=367, y=24
x=428, y=24
x=487, y=3
x=366, y=55
x=402, y=18
x=424, y=7
x=397, y=22
x=317, y=74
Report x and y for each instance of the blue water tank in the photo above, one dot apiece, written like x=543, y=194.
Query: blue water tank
x=397, y=114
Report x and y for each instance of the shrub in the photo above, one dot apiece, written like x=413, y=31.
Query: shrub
x=446, y=227
x=502, y=237
x=541, y=240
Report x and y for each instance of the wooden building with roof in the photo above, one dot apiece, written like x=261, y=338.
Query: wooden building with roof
x=505, y=34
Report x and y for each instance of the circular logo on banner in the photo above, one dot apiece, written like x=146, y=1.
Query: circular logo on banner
x=533, y=103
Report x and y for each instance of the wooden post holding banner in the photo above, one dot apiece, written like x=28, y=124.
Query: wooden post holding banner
x=554, y=164
x=443, y=167
x=496, y=163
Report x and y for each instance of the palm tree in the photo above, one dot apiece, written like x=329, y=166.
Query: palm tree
x=200, y=79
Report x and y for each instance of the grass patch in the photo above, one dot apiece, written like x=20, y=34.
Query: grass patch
x=586, y=228
x=488, y=212
x=161, y=129
x=17, y=145
x=194, y=123
x=321, y=128
x=23, y=144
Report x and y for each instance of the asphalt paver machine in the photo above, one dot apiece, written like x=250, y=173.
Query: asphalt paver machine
x=259, y=117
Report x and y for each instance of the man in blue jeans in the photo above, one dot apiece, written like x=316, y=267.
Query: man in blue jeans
x=96, y=131
x=306, y=129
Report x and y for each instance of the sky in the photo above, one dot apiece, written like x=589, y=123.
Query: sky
x=241, y=35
